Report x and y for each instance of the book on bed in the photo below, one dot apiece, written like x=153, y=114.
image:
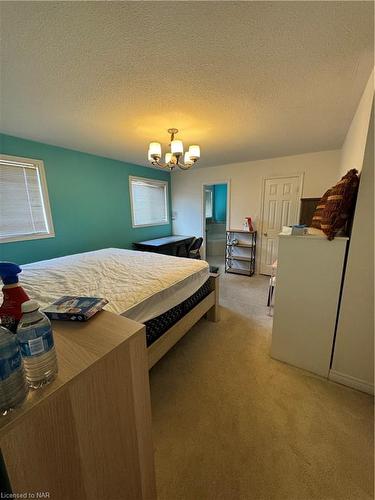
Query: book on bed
x=75, y=308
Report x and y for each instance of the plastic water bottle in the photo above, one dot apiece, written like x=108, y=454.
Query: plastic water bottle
x=34, y=334
x=13, y=386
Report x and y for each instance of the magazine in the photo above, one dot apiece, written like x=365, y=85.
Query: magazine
x=75, y=308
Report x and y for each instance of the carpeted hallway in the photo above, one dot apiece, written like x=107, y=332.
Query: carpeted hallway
x=231, y=423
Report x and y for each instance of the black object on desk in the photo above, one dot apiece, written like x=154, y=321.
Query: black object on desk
x=170, y=245
x=308, y=206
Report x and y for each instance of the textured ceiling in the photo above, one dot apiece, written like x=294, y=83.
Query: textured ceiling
x=245, y=80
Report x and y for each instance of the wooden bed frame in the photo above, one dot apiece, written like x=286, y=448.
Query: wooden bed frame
x=209, y=306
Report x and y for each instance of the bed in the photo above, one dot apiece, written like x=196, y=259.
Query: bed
x=168, y=294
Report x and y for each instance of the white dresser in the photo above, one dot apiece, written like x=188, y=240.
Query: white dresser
x=309, y=274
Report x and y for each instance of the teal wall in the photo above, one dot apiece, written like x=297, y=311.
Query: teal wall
x=220, y=202
x=89, y=198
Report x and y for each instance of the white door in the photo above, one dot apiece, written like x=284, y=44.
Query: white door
x=281, y=200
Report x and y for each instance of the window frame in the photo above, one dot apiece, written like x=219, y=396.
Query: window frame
x=39, y=166
x=158, y=182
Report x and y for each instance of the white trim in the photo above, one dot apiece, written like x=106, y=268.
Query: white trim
x=38, y=165
x=203, y=209
x=353, y=382
x=26, y=237
x=20, y=160
x=155, y=182
x=301, y=177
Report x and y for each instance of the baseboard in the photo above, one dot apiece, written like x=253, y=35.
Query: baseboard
x=355, y=383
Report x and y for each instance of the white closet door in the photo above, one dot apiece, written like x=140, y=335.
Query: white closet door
x=280, y=208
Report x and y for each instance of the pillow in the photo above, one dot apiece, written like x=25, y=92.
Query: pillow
x=317, y=217
x=340, y=204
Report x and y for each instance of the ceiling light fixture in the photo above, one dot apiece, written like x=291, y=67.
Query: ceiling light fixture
x=173, y=158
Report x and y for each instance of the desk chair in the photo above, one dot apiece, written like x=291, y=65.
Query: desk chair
x=194, y=249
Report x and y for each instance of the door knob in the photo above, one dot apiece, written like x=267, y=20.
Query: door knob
x=265, y=234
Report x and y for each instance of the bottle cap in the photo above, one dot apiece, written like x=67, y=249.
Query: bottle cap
x=29, y=306
x=8, y=272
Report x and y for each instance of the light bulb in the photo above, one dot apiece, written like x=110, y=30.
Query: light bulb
x=177, y=147
x=194, y=152
x=154, y=150
x=187, y=160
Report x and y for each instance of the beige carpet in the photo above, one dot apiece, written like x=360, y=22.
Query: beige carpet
x=232, y=423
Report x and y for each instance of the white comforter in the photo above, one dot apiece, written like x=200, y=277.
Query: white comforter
x=136, y=284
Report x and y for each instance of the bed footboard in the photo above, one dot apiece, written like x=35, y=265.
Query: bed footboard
x=213, y=314
x=208, y=307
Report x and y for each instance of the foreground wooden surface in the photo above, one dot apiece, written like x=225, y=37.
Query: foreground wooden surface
x=87, y=435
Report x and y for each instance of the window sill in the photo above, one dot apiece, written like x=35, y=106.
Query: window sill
x=27, y=237
x=164, y=223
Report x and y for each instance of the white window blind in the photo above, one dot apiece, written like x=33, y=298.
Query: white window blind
x=149, y=201
x=24, y=205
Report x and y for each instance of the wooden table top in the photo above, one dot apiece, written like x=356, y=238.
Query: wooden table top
x=78, y=346
x=167, y=240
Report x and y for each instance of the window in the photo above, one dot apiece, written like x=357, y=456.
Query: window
x=208, y=203
x=24, y=206
x=149, y=201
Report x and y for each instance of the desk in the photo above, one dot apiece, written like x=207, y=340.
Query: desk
x=170, y=245
x=86, y=435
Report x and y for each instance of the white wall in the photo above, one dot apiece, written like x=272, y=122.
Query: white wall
x=353, y=149
x=353, y=361
x=321, y=171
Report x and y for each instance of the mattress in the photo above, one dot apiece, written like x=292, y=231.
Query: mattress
x=156, y=327
x=138, y=285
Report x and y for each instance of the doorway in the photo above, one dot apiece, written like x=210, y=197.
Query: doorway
x=281, y=205
x=215, y=217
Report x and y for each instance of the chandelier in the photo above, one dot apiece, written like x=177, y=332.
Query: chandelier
x=173, y=158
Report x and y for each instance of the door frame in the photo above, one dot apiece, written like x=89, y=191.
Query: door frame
x=203, y=209
x=301, y=177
